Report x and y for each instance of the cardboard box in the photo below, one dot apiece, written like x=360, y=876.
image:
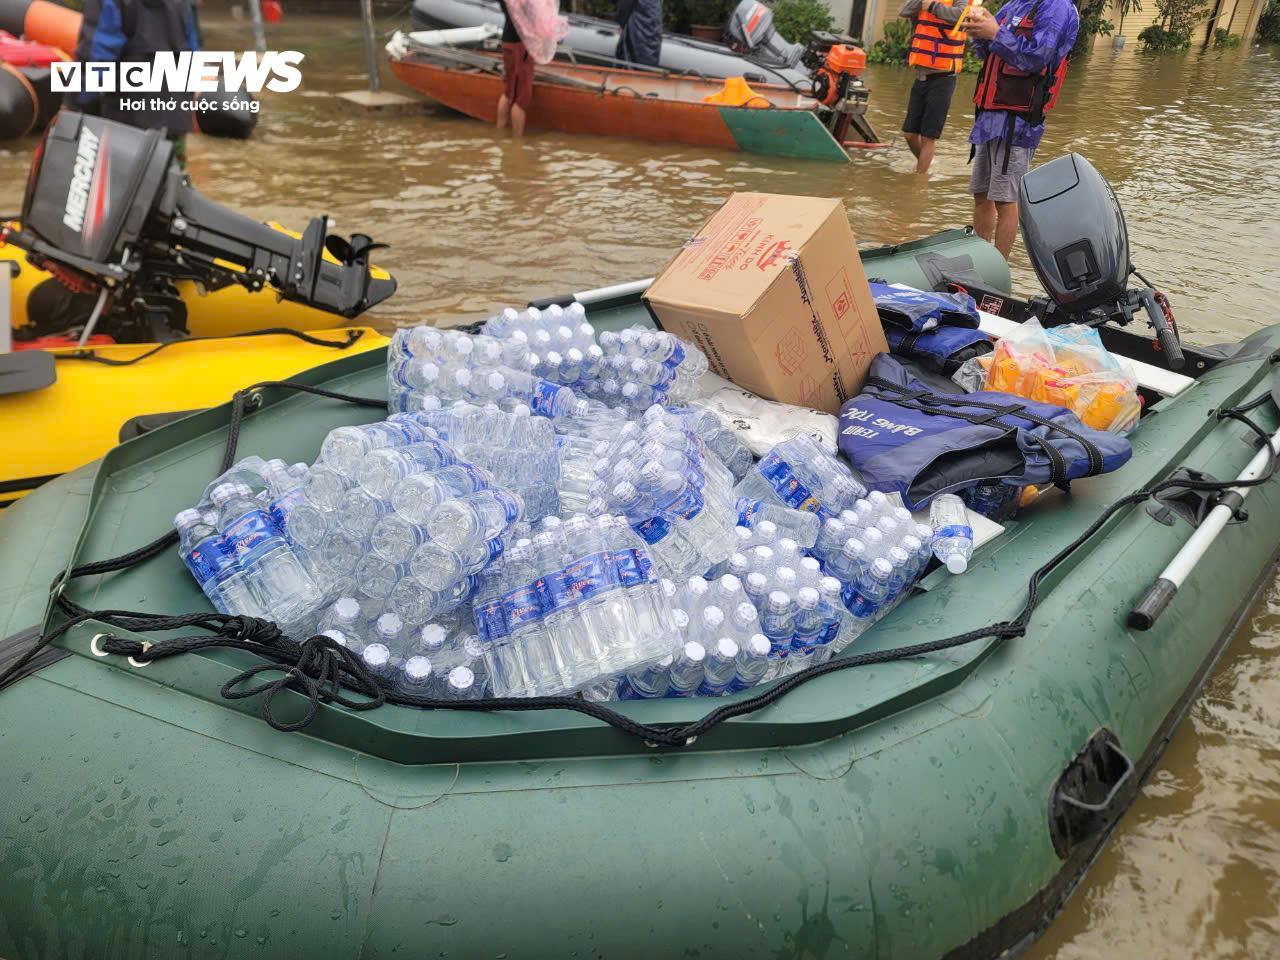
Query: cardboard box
x=772, y=290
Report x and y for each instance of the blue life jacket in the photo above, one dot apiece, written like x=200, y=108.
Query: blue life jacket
x=942, y=349
x=901, y=437
x=918, y=311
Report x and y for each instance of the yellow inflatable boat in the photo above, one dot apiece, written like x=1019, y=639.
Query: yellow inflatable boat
x=105, y=394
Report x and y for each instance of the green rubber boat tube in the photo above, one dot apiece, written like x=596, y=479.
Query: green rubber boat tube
x=939, y=806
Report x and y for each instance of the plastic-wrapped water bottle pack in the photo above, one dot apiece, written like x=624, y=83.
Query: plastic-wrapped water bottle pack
x=390, y=515
x=676, y=495
x=719, y=438
x=517, y=448
x=575, y=604
x=561, y=344
x=429, y=368
x=643, y=367
x=798, y=473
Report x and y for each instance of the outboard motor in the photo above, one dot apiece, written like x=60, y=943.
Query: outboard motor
x=1075, y=235
x=109, y=209
x=750, y=33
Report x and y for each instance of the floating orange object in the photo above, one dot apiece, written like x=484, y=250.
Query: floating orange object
x=736, y=92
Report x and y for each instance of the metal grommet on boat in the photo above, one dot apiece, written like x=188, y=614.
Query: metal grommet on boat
x=95, y=647
x=146, y=645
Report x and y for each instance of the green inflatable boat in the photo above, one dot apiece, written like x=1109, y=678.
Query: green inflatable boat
x=942, y=804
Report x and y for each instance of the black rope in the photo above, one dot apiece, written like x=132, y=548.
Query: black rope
x=352, y=335
x=320, y=669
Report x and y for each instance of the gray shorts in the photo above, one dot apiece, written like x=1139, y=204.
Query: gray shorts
x=988, y=174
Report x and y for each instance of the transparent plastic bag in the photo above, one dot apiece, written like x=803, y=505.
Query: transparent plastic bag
x=1068, y=367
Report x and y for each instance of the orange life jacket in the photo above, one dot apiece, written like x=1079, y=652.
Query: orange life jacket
x=932, y=46
x=1002, y=86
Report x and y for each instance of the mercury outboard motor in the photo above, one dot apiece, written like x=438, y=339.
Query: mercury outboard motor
x=1075, y=235
x=750, y=33
x=109, y=209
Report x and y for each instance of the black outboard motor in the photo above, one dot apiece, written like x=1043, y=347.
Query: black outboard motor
x=1075, y=235
x=750, y=33
x=108, y=204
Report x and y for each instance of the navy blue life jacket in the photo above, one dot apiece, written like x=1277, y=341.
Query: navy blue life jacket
x=942, y=349
x=902, y=437
x=916, y=310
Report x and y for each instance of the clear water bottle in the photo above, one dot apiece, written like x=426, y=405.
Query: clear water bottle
x=214, y=566
x=719, y=668
x=474, y=518
x=778, y=624
x=415, y=677
x=867, y=594
x=462, y=685
x=753, y=663
x=649, y=683
x=344, y=615
x=383, y=469
x=800, y=526
x=273, y=571
x=684, y=676
x=952, y=535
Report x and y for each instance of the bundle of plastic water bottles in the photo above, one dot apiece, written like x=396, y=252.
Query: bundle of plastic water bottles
x=678, y=497
x=428, y=368
x=577, y=603
x=390, y=516
x=517, y=448
x=560, y=344
x=643, y=367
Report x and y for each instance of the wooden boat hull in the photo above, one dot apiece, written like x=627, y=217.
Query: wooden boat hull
x=625, y=109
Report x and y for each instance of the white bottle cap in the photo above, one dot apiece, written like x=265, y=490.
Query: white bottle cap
x=957, y=564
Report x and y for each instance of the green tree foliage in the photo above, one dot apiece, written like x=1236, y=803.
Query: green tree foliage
x=1269, y=23
x=1224, y=39
x=796, y=19
x=1127, y=7
x=1178, y=18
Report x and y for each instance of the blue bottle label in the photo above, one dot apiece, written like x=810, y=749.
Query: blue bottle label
x=747, y=510
x=495, y=548
x=857, y=603
x=630, y=574
x=590, y=576
x=283, y=506
x=707, y=690
x=491, y=620
x=651, y=530
x=687, y=506
x=676, y=358
x=206, y=560
x=524, y=605
x=510, y=506
x=954, y=530
x=250, y=532
x=786, y=484
x=645, y=562
x=543, y=402
x=559, y=591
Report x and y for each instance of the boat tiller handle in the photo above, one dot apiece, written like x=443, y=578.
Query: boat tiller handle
x=1168, y=337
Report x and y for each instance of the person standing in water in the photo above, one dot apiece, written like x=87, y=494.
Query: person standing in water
x=1024, y=49
x=517, y=77
x=125, y=31
x=937, y=58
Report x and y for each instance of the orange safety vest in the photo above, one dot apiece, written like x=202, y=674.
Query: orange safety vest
x=932, y=46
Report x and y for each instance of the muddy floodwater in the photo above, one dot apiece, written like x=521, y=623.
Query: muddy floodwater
x=1191, y=144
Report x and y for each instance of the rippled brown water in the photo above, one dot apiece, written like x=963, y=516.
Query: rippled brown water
x=1192, y=146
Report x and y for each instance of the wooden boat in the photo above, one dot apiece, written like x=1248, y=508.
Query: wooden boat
x=645, y=105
